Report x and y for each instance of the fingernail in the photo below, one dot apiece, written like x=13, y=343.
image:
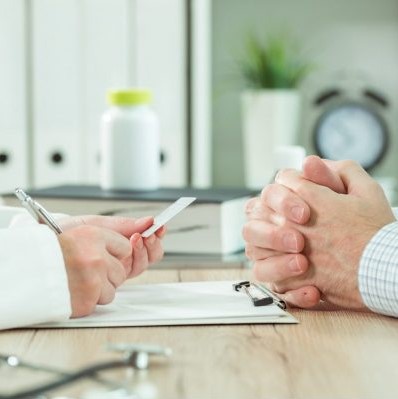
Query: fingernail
x=294, y=265
x=290, y=242
x=297, y=213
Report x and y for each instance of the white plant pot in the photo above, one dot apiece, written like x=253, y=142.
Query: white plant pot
x=270, y=119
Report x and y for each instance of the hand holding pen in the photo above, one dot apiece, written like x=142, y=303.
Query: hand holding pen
x=99, y=252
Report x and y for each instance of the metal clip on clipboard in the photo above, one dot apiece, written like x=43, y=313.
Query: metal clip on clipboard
x=259, y=295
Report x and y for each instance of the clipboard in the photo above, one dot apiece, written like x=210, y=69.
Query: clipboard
x=174, y=304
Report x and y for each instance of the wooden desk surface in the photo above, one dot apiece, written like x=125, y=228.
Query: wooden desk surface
x=330, y=354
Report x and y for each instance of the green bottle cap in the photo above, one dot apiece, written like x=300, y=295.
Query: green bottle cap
x=129, y=97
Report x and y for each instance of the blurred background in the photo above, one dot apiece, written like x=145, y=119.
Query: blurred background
x=59, y=57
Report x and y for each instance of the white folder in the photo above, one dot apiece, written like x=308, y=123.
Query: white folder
x=58, y=58
x=108, y=63
x=160, y=49
x=58, y=147
x=13, y=115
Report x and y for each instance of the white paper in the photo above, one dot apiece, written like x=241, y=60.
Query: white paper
x=173, y=210
x=213, y=302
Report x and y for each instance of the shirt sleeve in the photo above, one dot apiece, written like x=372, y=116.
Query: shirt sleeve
x=33, y=280
x=378, y=272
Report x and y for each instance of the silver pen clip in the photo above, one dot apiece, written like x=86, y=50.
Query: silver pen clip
x=37, y=211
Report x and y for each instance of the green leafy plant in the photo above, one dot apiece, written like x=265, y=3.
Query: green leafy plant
x=273, y=64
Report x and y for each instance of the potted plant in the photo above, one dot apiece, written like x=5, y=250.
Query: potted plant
x=272, y=71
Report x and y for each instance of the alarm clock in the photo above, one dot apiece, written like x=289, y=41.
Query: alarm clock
x=351, y=127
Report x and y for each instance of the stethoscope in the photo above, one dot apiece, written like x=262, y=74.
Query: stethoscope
x=134, y=356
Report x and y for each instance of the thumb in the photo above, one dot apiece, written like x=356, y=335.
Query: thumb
x=321, y=172
x=304, y=297
x=354, y=178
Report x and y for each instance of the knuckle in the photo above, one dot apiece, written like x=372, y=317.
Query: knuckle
x=95, y=261
x=277, y=288
x=108, y=297
x=250, y=205
x=246, y=231
x=85, y=301
x=267, y=191
x=111, y=296
x=91, y=284
x=302, y=187
x=249, y=252
x=127, y=264
x=258, y=271
x=87, y=307
x=161, y=253
x=122, y=273
x=153, y=257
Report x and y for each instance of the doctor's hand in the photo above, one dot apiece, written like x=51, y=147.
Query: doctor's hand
x=145, y=251
x=95, y=261
x=334, y=228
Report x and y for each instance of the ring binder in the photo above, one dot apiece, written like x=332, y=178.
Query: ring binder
x=268, y=297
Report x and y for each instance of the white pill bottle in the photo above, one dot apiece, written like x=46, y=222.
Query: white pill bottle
x=130, y=142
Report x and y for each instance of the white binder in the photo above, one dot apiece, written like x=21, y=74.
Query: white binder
x=160, y=62
x=57, y=89
x=108, y=47
x=58, y=60
x=13, y=116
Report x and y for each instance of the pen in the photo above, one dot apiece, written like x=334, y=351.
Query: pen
x=37, y=211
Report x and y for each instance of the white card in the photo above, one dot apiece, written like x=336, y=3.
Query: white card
x=171, y=211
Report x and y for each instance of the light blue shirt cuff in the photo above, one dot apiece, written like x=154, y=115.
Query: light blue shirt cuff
x=378, y=272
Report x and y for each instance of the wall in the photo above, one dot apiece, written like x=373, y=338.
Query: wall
x=353, y=35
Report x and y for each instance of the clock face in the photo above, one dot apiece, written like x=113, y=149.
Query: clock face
x=351, y=131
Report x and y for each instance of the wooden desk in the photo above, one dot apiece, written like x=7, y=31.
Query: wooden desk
x=330, y=354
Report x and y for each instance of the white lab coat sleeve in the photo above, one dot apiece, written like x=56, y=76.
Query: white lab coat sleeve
x=23, y=218
x=33, y=279
x=9, y=213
